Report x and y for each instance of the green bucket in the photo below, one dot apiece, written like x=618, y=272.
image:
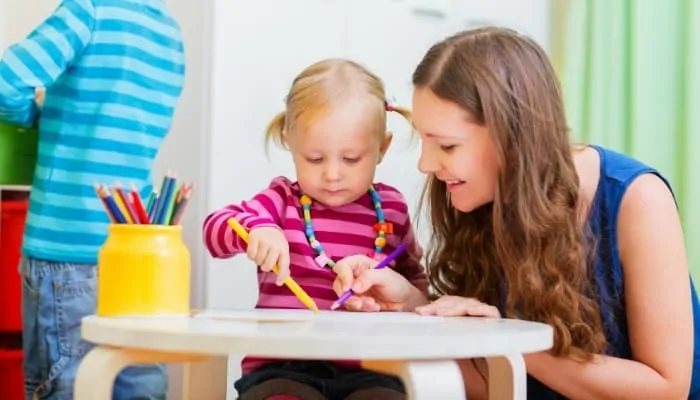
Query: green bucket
x=18, y=154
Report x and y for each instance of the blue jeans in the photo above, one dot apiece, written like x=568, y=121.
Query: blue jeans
x=55, y=298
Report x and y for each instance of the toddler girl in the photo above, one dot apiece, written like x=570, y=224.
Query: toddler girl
x=335, y=128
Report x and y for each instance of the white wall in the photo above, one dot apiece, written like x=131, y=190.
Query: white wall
x=17, y=19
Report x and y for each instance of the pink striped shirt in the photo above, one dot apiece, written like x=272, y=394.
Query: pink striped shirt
x=343, y=231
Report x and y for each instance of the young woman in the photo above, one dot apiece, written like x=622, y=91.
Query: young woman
x=528, y=226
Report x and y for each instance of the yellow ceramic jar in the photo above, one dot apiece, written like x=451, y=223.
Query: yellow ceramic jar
x=143, y=270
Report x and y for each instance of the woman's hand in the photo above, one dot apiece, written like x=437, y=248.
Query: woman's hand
x=456, y=306
x=375, y=289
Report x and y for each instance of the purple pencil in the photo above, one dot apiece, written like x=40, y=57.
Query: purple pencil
x=382, y=264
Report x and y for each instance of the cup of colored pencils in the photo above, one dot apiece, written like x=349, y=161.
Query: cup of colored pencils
x=126, y=206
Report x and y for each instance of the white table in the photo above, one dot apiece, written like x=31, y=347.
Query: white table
x=420, y=350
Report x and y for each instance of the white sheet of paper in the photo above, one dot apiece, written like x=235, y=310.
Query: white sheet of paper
x=282, y=315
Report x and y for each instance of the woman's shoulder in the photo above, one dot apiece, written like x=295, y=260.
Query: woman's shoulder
x=602, y=169
x=620, y=167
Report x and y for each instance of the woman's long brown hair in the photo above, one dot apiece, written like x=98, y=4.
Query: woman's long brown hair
x=526, y=251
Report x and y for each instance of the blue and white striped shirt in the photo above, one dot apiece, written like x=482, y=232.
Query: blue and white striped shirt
x=113, y=72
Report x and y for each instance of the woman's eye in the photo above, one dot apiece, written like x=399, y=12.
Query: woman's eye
x=314, y=160
x=352, y=160
x=448, y=148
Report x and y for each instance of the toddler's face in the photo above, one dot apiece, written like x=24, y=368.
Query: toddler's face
x=336, y=157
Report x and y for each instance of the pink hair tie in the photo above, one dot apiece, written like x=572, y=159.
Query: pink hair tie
x=388, y=107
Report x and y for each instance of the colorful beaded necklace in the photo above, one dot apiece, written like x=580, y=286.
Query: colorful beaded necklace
x=381, y=227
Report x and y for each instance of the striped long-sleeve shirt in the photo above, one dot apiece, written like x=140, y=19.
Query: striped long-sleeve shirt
x=113, y=72
x=343, y=231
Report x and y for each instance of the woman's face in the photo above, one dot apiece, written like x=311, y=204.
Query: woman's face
x=456, y=150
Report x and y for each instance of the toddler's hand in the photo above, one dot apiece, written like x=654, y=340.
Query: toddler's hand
x=349, y=269
x=268, y=247
x=39, y=95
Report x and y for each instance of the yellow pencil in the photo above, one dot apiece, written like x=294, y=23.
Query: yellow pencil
x=289, y=282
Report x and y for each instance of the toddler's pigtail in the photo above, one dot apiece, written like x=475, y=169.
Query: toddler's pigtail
x=404, y=112
x=275, y=131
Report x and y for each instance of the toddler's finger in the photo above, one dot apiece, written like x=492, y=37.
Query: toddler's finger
x=282, y=275
x=367, y=279
x=362, y=264
x=283, y=264
x=252, y=249
x=258, y=251
x=270, y=260
x=344, y=276
x=338, y=286
x=262, y=257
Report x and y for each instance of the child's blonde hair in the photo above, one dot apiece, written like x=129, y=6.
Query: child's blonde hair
x=323, y=85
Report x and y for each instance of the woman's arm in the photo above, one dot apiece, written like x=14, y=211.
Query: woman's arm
x=475, y=375
x=659, y=310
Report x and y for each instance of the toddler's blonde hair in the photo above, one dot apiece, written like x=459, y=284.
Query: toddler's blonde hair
x=320, y=87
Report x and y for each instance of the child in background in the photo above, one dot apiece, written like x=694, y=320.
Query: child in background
x=335, y=128
x=113, y=71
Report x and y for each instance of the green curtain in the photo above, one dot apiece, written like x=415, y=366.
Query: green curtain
x=630, y=71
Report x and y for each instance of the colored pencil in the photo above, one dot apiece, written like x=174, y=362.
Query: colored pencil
x=124, y=206
x=104, y=203
x=151, y=200
x=164, y=201
x=151, y=207
x=133, y=217
x=158, y=201
x=112, y=206
x=382, y=264
x=168, y=215
x=165, y=194
x=182, y=193
x=138, y=205
x=289, y=282
x=180, y=207
x=181, y=190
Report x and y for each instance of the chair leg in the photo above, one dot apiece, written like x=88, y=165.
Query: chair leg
x=507, y=377
x=206, y=380
x=424, y=380
x=99, y=369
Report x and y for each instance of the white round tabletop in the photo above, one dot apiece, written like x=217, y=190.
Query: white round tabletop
x=330, y=335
